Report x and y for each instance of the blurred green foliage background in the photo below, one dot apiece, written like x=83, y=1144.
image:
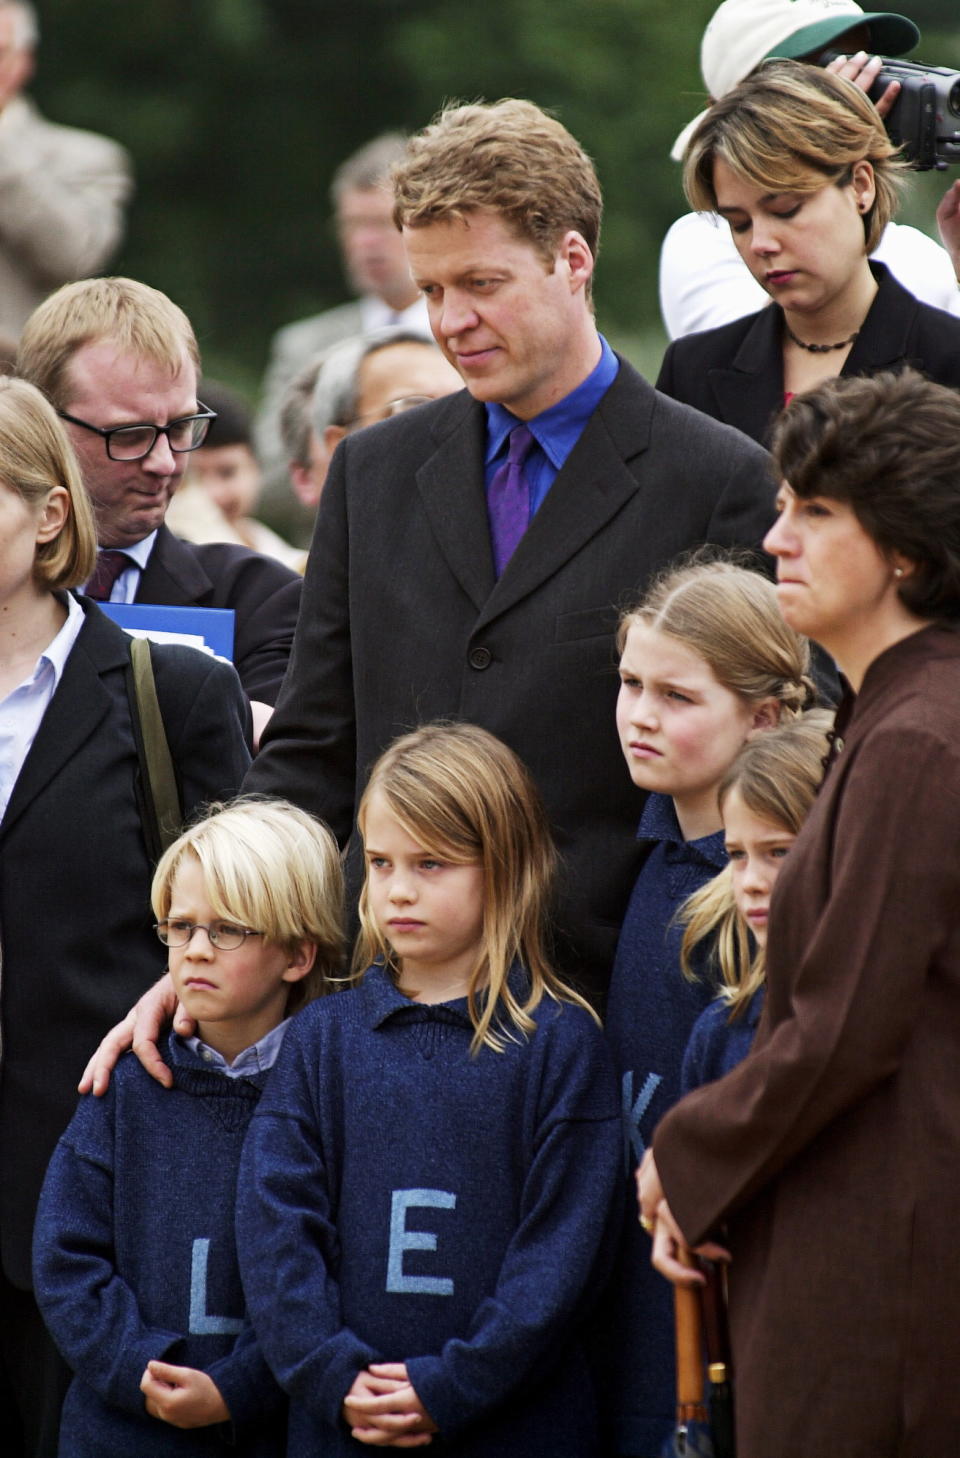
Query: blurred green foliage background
x=238, y=111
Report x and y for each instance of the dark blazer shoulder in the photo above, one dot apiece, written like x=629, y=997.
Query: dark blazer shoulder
x=720, y=345
x=180, y=572
x=733, y=373
x=100, y=641
x=930, y=338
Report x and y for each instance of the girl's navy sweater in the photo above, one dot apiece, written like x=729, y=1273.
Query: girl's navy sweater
x=716, y=1044
x=404, y=1200
x=651, y=1010
x=135, y=1259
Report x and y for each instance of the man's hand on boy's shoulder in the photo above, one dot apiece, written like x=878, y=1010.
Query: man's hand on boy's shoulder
x=140, y=1030
x=182, y=1396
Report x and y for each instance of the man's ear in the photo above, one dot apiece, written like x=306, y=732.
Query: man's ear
x=574, y=252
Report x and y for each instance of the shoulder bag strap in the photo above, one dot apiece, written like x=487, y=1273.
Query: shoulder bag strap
x=161, y=811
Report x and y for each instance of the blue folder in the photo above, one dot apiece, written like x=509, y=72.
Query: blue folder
x=213, y=627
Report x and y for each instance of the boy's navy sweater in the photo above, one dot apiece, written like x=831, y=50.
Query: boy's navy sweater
x=716, y=1044
x=135, y=1259
x=401, y=1200
x=650, y=1012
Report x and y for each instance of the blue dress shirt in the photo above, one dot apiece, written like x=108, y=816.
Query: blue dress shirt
x=258, y=1058
x=555, y=431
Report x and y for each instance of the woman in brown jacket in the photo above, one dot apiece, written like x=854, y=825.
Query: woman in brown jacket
x=828, y=1163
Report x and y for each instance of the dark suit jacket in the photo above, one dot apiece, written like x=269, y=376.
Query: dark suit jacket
x=264, y=595
x=403, y=621
x=735, y=373
x=78, y=944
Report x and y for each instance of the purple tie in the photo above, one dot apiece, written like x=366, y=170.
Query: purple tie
x=110, y=563
x=508, y=499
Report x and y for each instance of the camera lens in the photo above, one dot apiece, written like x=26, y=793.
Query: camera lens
x=953, y=101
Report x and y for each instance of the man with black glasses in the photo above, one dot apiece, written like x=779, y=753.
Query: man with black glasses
x=119, y=361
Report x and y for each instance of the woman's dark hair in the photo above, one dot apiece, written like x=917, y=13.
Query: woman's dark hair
x=889, y=446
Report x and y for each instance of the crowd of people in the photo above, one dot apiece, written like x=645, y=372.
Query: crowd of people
x=452, y=1001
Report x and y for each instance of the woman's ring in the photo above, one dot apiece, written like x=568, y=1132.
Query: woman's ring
x=647, y=1223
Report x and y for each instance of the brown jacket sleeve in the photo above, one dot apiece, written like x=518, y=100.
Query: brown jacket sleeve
x=859, y=953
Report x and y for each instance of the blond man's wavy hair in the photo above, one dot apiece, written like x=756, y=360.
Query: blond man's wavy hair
x=508, y=157
x=137, y=319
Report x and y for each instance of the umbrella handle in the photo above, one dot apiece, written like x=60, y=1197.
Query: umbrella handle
x=689, y=1336
x=716, y=1332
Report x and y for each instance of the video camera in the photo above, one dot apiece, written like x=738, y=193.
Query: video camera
x=925, y=119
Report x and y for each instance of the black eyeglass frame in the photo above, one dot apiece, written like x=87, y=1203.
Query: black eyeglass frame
x=213, y=930
x=111, y=430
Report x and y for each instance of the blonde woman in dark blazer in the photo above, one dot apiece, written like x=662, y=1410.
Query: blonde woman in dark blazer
x=76, y=935
x=797, y=162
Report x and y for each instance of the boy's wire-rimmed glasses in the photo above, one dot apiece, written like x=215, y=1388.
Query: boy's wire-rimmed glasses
x=133, y=442
x=226, y=936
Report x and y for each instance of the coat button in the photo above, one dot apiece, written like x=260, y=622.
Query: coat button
x=480, y=658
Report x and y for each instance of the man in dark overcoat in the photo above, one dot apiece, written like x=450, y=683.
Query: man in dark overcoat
x=413, y=609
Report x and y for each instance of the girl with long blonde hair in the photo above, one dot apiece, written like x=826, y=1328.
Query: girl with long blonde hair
x=706, y=664
x=429, y=1193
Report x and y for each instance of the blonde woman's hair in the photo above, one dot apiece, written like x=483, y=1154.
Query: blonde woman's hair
x=777, y=775
x=36, y=456
x=791, y=127
x=729, y=617
x=508, y=157
x=137, y=319
x=272, y=867
x=464, y=796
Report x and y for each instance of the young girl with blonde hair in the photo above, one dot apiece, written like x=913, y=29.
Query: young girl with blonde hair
x=764, y=799
x=429, y=1187
x=134, y=1255
x=706, y=663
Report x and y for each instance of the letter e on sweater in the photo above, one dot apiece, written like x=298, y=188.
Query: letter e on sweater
x=402, y=1239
